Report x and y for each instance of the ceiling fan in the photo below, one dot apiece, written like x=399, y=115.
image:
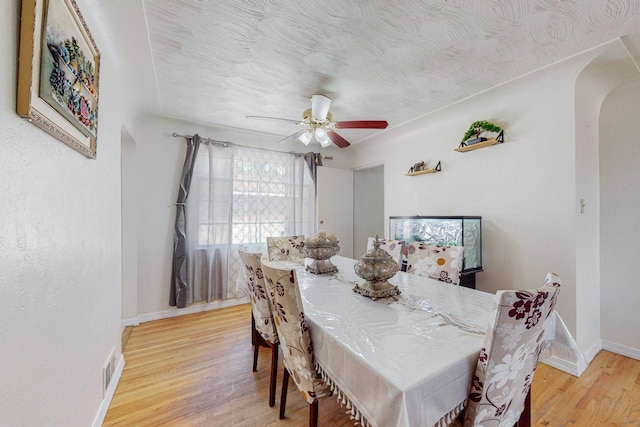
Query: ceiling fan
x=319, y=125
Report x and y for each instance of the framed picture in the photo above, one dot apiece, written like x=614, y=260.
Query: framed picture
x=58, y=68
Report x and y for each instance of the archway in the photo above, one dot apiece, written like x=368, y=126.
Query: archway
x=129, y=201
x=611, y=69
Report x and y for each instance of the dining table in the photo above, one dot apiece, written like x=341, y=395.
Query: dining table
x=403, y=361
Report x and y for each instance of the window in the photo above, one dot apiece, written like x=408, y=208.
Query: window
x=246, y=194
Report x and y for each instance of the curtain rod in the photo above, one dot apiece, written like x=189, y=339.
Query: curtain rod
x=215, y=141
x=227, y=143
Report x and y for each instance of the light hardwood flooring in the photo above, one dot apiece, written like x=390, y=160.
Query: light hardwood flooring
x=195, y=370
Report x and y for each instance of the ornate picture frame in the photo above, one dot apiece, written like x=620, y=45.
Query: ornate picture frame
x=58, y=69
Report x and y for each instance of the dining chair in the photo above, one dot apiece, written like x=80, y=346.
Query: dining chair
x=393, y=247
x=509, y=357
x=295, y=339
x=438, y=262
x=263, y=333
x=285, y=248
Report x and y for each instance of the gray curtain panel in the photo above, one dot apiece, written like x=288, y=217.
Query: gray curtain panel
x=178, y=296
x=313, y=160
x=210, y=274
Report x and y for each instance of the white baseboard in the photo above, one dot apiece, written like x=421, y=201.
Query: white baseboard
x=104, y=406
x=132, y=321
x=591, y=353
x=623, y=350
x=194, y=308
x=577, y=367
x=562, y=364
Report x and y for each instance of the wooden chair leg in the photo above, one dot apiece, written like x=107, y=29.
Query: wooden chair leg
x=256, y=346
x=258, y=342
x=313, y=414
x=525, y=417
x=274, y=375
x=254, y=342
x=254, y=331
x=283, y=395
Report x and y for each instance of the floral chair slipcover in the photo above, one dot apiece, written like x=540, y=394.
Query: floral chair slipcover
x=509, y=357
x=438, y=262
x=286, y=248
x=264, y=333
x=295, y=340
x=392, y=247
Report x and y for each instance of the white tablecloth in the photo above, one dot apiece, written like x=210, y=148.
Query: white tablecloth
x=406, y=361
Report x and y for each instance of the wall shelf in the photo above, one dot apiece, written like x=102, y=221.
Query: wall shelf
x=497, y=140
x=421, y=172
x=438, y=168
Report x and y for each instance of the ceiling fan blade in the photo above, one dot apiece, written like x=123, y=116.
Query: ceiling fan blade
x=274, y=118
x=293, y=137
x=320, y=107
x=362, y=124
x=337, y=139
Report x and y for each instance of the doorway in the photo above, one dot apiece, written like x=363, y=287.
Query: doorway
x=368, y=207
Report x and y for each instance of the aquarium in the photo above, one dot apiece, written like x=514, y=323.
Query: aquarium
x=443, y=230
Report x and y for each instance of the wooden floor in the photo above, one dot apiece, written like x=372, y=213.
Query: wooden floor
x=195, y=370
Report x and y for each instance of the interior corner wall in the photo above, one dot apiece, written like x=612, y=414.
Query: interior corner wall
x=129, y=175
x=60, y=254
x=619, y=225
x=524, y=189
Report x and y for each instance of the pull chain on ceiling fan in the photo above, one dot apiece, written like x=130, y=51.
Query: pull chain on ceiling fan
x=319, y=124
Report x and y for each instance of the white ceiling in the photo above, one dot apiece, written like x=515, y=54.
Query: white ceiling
x=216, y=61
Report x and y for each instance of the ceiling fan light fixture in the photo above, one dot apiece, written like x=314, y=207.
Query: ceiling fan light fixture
x=305, y=137
x=320, y=105
x=322, y=137
x=318, y=125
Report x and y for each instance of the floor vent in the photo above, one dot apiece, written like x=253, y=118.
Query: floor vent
x=107, y=372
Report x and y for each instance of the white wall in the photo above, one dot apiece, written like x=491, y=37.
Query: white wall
x=620, y=225
x=60, y=269
x=524, y=189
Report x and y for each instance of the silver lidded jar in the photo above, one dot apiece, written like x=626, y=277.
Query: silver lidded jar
x=320, y=249
x=376, y=267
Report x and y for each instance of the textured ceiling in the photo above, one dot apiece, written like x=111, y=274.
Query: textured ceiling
x=219, y=61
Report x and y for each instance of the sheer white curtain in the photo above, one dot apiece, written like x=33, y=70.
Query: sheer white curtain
x=239, y=196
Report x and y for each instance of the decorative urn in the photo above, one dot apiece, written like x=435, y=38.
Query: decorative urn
x=320, y=249
x=376, y=267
